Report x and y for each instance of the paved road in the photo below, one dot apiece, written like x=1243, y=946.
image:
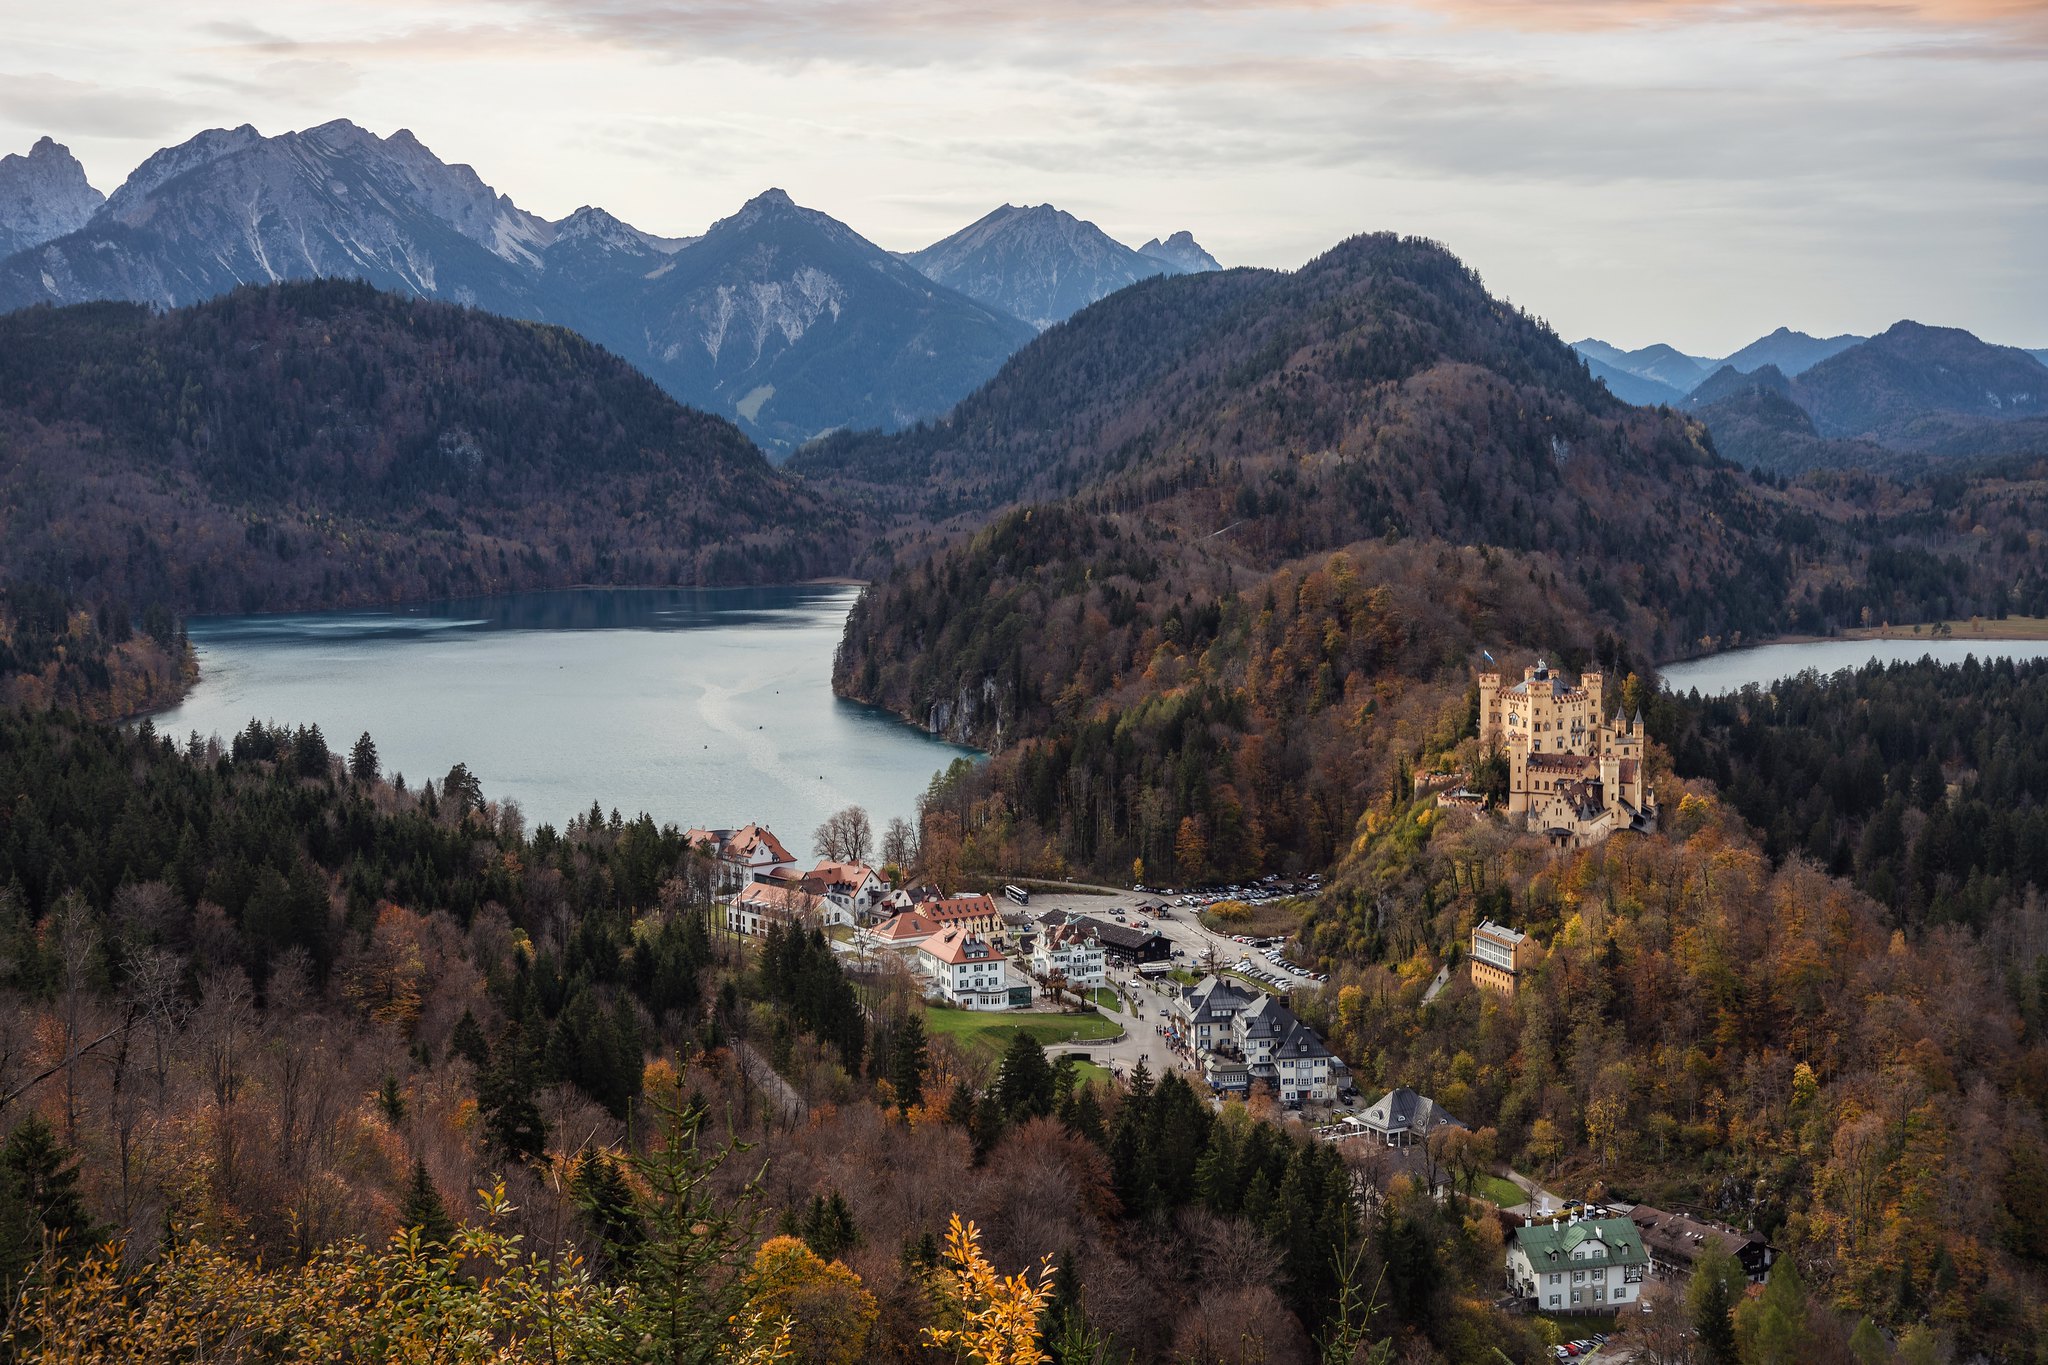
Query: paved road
x=778, y=1091
x=1146, y=1001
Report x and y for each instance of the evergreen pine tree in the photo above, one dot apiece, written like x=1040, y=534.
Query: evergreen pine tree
x=504, y=1095
x=467, y=1042
x=906, y=1063
x=422, y=1208
x=1024, y=1083
x=608, y=1206
x=362, y=760
x=1710, y=1302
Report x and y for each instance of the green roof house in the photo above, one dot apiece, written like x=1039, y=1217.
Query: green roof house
x=1587, y=1265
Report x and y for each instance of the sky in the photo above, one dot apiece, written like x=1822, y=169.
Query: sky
x=1681, y=171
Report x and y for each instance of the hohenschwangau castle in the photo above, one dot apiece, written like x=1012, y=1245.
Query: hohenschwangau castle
x=1571, y=775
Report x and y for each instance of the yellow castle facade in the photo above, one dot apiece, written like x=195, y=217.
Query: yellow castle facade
x=1575, y=774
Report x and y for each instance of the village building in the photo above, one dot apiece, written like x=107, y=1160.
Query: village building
x=1586, y=1265
x=901, y=932
x=1403, y=1118
x=1677, y=1240
x=966, y=970
x=759, y=904
x=976, y=912
x=742, y=855
x=1573, y=776
x=1128, y=945
x=1065, y=952
x=1244, y=1036
x=854, y=887
x=1499, y=957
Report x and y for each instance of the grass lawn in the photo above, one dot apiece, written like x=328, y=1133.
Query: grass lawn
x=1500, y=1190
x=989, y=1031
x=1274, y=917
x=1091, y=1073
x=1978, y=628
x=1105, y=998
x=1573, y=1326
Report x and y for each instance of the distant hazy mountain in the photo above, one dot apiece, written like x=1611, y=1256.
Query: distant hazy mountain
x=233, y=207
x=1909, y=385
x=1040, y=264
x=1628, y=387
x=1730, y=380
x=780, y=318
x=1182, y=252
x=1663, y=365
x=1789, y=351
x=796, y=324
x=1912, y=395
x=43, y=195
x=2040, y=355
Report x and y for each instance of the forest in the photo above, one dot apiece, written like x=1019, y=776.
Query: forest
x=1712, y=1028
x=1926, y=785
x=266, y=1007
x=321, y=444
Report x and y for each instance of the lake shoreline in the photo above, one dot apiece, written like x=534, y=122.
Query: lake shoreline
x=702, y=706
x=2028, y=630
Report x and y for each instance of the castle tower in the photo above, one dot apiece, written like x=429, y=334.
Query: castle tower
x=1489, y=710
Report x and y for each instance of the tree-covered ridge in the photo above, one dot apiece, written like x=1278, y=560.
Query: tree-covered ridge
x=1705, y=1030
x=1138, y=649
x=1926, y=784
x=322, y=444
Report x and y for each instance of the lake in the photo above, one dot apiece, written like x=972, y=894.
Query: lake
x=705, y=707
x=1766, y=664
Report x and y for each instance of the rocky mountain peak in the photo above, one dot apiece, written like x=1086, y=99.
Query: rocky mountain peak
x=43, y=195
x=1182, y=252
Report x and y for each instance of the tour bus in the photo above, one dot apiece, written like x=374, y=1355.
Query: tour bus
x=1018, y=894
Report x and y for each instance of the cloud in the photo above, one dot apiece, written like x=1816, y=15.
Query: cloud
x=77, y=108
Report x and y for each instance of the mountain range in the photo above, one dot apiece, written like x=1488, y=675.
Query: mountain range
x=1788, y=402
x=779, y=317
x=1910, y=395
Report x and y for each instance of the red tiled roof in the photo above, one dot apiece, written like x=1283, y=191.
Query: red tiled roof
x=957, y=945
x=905, y=926
x=746, y=839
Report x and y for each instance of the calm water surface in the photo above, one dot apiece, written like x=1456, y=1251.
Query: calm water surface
x=702, y=707
x=1767, y=664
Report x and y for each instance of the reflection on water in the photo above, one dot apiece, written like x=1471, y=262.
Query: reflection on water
x=700, y=706
x=1766, y=664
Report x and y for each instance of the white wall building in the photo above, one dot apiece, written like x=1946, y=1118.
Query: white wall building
x=965, y=968
x=1588, y=1265
x=1064, y=951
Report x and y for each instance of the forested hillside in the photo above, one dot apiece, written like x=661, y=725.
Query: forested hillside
x=265, y=1008
x=1926, y=784
x=1705, y=1029
x=1295, y=508
x=322, y=444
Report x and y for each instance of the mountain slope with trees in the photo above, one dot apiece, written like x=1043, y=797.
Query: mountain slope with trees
x=322, y=444
x=1267, y=522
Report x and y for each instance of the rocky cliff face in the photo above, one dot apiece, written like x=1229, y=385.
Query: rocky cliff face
x=42, y=196
x=1182, y=252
